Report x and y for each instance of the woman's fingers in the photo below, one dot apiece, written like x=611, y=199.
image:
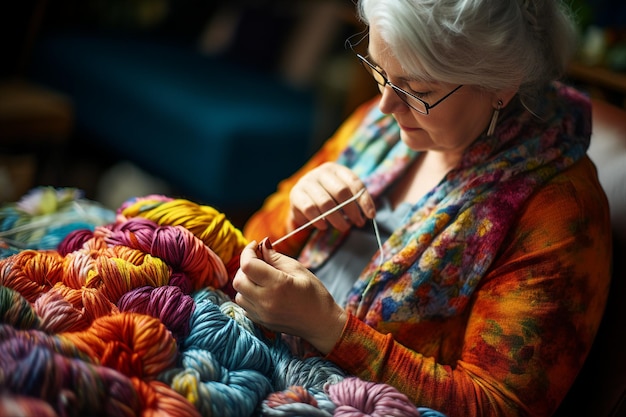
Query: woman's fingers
x=281, y=294
x=325, y=188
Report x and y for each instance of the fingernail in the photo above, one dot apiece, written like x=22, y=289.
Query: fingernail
x=268, y=244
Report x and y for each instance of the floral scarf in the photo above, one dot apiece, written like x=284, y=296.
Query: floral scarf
x=433, y=264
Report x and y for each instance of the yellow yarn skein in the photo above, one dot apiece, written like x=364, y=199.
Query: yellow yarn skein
x=205, y=222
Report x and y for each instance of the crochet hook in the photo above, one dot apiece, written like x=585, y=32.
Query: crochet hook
x=320, y=217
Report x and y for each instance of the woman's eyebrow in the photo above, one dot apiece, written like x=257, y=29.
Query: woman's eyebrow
x=402, y=78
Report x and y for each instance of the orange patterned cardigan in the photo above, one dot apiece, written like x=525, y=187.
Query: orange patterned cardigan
x=532, y=319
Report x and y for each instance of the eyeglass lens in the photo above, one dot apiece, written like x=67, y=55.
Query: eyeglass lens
x=382, y=81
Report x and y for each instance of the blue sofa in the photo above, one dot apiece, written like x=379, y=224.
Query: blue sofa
x=219, y=132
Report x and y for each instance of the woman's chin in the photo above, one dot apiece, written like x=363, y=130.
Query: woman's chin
x=416, y=139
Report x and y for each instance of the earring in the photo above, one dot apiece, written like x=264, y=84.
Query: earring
x=494, y=118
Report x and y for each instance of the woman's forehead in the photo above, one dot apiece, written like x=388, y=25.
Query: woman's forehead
x=380, y=54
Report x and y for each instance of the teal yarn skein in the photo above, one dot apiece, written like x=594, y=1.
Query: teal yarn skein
x=313, y=373
x=224, y=367
x=235, y=348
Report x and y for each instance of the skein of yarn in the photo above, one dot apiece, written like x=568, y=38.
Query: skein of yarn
x=57, y=314
x=168, y=304
x=205, y=222
x=134, y=344
x=177, y=246
x=297, y=401
x=31, y=272
x=360, y=398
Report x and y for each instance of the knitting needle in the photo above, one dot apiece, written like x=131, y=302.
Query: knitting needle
x=320, y=217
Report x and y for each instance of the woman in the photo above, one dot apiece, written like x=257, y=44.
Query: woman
x=494, y=271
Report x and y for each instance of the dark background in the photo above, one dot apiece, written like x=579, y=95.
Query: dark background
x=258, y=40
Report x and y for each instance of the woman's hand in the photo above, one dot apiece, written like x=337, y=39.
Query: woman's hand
x=325, y=187
x=282, y=295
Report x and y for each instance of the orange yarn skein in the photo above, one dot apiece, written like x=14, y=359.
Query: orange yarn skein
x=31, y=272
x=137, y=345
x=115, y=276
x=89, y=301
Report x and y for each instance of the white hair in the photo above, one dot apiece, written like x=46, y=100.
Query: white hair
x=493, y=44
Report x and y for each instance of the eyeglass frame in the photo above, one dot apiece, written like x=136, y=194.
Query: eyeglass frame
x=399, y=91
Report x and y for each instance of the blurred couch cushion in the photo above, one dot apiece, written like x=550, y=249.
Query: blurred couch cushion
x=221, y=133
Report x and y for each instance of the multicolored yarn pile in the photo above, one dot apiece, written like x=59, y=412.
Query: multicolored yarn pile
x=130, y=314
x=44, y=216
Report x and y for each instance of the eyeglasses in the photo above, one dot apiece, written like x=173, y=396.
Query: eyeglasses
x=411, y=100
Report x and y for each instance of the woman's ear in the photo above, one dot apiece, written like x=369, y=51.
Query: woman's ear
x=505, y=95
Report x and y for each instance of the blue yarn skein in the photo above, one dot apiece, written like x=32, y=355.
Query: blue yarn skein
x=312, y=373
x=225, y=368
x=234, y=347
x=213, y=389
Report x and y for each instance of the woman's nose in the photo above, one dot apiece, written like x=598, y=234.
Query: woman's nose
x=390, y=102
